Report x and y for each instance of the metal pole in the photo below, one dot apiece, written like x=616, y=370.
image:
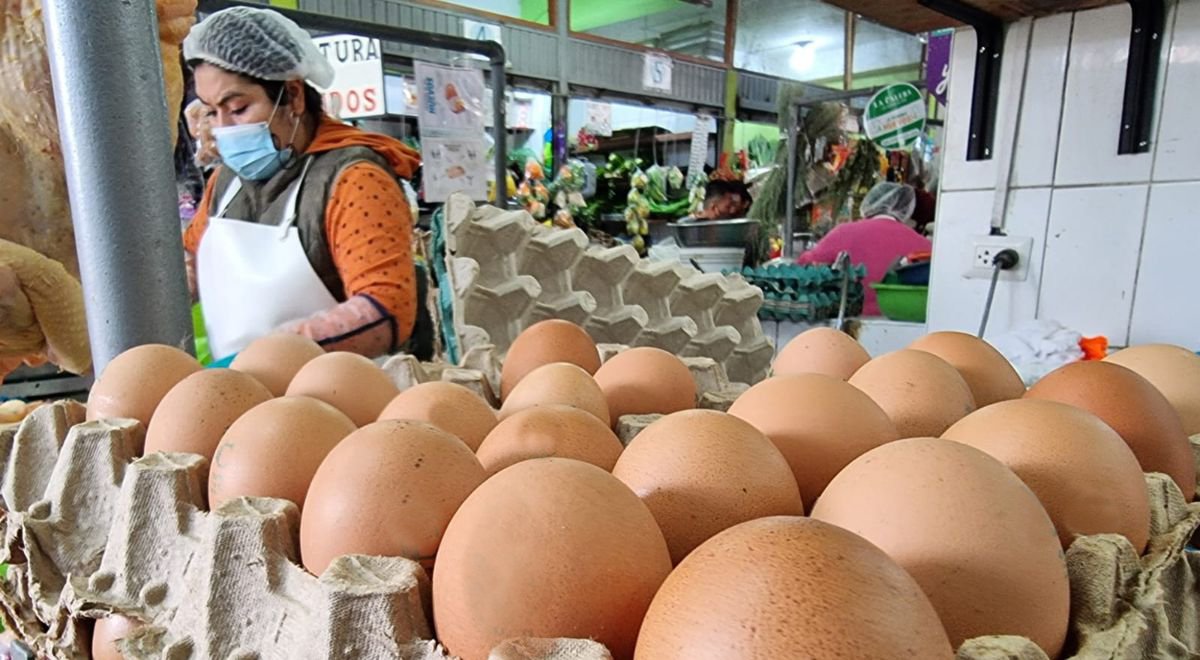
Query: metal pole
x=851, y=39
x=112, y=116
x=492, y=50
x=789, y=216
x=500, y=129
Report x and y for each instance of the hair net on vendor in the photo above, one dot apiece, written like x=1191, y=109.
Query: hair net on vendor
x=259, y=43
x=891, y=199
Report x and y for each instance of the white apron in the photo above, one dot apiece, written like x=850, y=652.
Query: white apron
x=253, y=278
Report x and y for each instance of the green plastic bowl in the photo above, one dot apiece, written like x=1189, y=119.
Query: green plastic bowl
x=900, y=302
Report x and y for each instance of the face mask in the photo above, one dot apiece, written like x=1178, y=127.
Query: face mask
x=249, y=150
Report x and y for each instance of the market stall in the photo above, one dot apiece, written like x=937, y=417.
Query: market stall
x=619, y=445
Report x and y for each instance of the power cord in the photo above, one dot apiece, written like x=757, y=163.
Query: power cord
x=1006, y=259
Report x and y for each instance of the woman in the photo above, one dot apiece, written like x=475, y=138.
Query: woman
x=877, y=241
x=304, y=228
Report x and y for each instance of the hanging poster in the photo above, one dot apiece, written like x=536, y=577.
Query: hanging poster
x=453, y=165
x=937, y=68
x=599, y=118
x=450, y=116
x=450, y=99
x=895, y=116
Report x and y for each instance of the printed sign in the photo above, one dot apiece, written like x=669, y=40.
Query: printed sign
x=599, y=118
x=453, y=165
x=358, y=87
x=895, y=116
x=699, y=152
x=450, y=100
x=450, y=115
x=656, y=72
x=937, y=68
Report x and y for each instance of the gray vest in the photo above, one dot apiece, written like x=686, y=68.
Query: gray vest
x=264, y=202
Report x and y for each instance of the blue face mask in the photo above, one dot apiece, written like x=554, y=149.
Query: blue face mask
x=250, y=151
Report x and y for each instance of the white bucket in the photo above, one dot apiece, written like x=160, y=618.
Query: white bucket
x=714, y=259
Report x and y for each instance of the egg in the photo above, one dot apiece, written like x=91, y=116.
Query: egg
x=967, y=529
x=549, y=432
x=448, y=406
x=819, y=423
x=1086, y=477
x=108, y=631
x=788, y=587
x=275, y=359
x=548, y=548
x=134, y=382
x=562, y=384
x=545, y=343
x=388, y=489
x=275, y=449
x=989, y=374
x=920, y=392
x=196, y=413
x=821, y=351
x=1175, y=371
x=646, y=381
x=701, y=472
x=347, y=381
x=1134, y=408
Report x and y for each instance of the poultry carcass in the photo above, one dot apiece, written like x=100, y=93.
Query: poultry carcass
x=41, y=301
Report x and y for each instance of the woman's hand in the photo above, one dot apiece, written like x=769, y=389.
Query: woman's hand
x=358, y=325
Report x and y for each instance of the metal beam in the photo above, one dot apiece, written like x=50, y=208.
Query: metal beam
x=989, y=55
x=120, y=178
x=1141, y=76
x=490, y=49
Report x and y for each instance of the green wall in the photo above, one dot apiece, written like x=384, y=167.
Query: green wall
x=536, y=11
x=744, y=131
x=591, y=14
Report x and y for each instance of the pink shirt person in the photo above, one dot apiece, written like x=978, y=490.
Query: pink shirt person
x=876, y=243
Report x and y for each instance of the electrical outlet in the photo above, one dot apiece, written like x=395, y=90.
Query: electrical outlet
x=984, y=250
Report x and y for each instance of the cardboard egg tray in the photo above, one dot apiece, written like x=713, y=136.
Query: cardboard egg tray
x=89, y=529
x=507, y=272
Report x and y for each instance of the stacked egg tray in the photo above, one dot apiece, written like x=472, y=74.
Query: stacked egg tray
x=90, y=529
x=805, y=293
x=498, y=272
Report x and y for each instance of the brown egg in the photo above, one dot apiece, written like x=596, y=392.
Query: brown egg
x=1088, y=480
x=134, y=383
x=1134, y=408
x=448, y=406
x=818, y=422
x=561, y=384
x=275, y=359
x=196, y=413
x=388, y=489
x=347, y=381
x=275, y=449
x=1175, y=371
x=548, y=548
x=545, y=343
x=921, y=392
x=821, y=351
x=701, y=472
x=549, y=432
x=988, y=373
x=108, y=631
x=967, y=529
x=646, y=381
x=790, y=588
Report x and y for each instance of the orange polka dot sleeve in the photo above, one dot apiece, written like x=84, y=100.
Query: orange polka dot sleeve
x=369, y=229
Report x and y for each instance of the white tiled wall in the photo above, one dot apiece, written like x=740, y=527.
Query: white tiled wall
x=1167, y=307
x=1116, y=247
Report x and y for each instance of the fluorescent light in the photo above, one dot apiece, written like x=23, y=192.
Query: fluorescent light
x=803, y=56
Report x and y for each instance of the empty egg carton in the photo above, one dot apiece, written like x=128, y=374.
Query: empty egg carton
x=616, y=296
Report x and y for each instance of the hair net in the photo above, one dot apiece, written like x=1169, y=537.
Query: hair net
x=891, y=199
x=259, y=43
